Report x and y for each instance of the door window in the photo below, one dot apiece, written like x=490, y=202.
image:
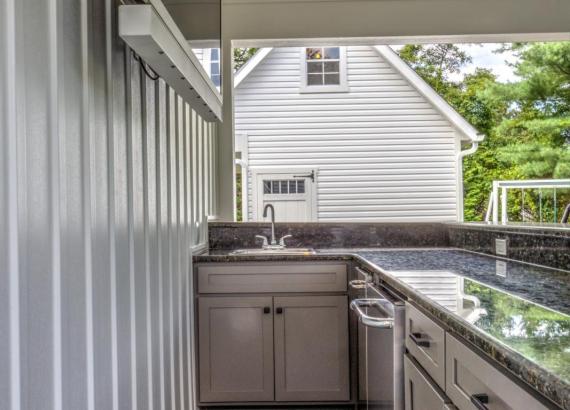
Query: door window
x=284, y=186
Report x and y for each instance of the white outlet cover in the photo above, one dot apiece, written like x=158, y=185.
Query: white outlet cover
x=501, y=247
x=501, y=269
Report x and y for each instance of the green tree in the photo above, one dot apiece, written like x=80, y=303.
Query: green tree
x=242, y=55
x=526, y=123
x=538, y=121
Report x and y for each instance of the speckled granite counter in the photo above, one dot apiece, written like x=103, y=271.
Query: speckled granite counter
x=516, y=314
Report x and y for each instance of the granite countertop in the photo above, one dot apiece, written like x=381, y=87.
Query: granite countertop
x=515, y=313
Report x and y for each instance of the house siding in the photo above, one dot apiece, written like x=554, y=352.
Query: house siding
x=99, y=208
x=383, y=152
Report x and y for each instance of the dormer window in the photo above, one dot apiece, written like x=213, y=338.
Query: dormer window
x=323, y=69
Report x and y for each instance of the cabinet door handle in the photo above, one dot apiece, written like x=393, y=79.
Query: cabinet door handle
x=266, y=310
x=479, y=401
x=279, y=310
x=417, y=339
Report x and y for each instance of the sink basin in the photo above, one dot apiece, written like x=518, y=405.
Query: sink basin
x=285, y=251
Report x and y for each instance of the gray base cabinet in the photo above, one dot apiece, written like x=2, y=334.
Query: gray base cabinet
x=273, y=332
x=311, y=348
x=236, y=349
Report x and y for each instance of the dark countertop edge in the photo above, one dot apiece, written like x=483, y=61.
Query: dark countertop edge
x=526, y=371
x=558, y=230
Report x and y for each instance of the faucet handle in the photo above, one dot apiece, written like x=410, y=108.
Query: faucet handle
x=282, y=240
x=264, y=239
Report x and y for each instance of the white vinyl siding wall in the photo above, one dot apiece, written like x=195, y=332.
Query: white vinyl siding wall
x=384, y=153
x=96, y=202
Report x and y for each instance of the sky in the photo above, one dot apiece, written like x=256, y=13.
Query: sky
x=483, y=57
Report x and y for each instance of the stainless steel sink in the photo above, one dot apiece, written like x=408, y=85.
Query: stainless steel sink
x=284, y=251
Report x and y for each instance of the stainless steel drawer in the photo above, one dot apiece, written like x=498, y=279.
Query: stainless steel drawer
x=421, y=392
x=272, y=277
x=426, y=342
x=473, y=384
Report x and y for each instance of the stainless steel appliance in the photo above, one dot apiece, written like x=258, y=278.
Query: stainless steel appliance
x=380, y=333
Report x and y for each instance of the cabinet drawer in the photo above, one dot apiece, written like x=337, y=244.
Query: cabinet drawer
x=469, y=375
x=421, y=393
x=426, y=342
x=272, y=278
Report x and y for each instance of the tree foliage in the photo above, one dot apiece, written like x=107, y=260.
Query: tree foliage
x=242, y=55
x=526, y=123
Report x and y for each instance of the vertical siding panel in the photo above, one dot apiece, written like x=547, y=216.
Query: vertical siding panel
x=162, y=205
x=153, y=330
x=35, y=207
x=186, y=274
x=100, y=341
x=123, y=294
x=138, y=276
x=95, y=217
x=175, y=213
x=171, y=241
x=75, y=187
x=9, y=235
x=147, y=86
x=181, y=245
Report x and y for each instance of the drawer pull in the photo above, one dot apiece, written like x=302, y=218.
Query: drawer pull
x=279, y=310
x=417, y=339
x=266, y=310
x=479, y=401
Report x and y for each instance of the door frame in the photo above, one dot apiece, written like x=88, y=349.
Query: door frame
x=257, y=171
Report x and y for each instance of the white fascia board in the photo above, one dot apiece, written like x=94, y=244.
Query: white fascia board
x=462, y=126
x=163, y=47
x=248, y=67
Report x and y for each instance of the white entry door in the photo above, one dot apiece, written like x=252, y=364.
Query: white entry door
x=291, y=192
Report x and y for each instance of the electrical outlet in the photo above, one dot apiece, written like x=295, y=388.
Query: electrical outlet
x=501, y=268
x=501, y=247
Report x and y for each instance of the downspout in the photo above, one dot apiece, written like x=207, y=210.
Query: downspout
x=460, y=193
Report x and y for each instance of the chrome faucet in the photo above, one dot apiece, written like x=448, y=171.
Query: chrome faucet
x=269, y=206
x=272, y=243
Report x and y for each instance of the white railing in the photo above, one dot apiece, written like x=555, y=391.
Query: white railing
x=495, y=199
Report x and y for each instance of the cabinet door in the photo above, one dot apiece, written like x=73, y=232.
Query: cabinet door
x=236, y=349
x=311, y=348
x=421, y=393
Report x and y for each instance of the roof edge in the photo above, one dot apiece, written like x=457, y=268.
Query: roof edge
x=249, y=66
x=428, y=92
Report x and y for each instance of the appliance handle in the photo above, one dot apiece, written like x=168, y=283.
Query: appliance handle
x=360, y=283
x=367, y=320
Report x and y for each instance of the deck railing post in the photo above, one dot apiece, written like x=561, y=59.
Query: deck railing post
x=504, y=216
x=495, y=202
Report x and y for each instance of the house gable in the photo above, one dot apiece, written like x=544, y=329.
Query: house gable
x=382, y=151
x=466, y=130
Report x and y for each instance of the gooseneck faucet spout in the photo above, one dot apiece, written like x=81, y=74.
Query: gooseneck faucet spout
x=269, y=206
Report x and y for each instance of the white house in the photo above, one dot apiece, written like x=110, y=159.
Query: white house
x=346, y=134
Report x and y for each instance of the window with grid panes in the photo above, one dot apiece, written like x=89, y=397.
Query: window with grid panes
x=323, y=66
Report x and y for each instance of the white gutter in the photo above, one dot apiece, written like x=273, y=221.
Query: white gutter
x=460, y=156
